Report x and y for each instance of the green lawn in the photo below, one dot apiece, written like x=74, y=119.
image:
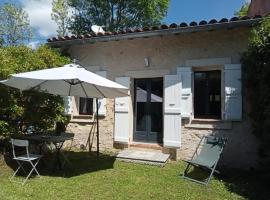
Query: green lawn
x=105, y=178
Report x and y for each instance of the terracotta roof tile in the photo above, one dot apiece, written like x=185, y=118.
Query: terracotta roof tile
x=193, y=24
x=183, y=24
x=173, y=25
x=223, y=20
x=212, y=21
x=203, y=22
x=154, y=28
x=233, y=19
x=146, y=28
x=164, y=26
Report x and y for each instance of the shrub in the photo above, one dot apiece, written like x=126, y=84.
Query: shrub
x=256, y=78
x=21, y=110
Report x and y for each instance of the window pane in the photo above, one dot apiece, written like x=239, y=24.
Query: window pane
x=156, y=117
x=141, y=91
x=207, y=94
x=141, y=117
x=156, y=90
x=86, y=106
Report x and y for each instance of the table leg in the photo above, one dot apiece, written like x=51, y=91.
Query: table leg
x=40, y=148
x=58, y=147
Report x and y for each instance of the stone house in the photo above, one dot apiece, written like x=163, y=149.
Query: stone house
x=184, y=81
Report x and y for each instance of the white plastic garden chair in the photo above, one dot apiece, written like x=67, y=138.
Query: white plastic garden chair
x=33, y=159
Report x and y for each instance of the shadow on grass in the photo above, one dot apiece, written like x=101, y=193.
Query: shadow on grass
x=253, y=186
x=198, y=174
x=80, y=163
x=250, y=185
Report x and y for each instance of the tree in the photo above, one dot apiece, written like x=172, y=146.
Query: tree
x=14, y=25
x=116, y=14
x=19, y=111
x=243, y=10
x=59, y=14
x=256, y=73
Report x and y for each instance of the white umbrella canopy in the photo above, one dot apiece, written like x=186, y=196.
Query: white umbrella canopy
x=69, y=80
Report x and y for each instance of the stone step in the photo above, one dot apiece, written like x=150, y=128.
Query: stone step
x=143, y=157
x=146, y=147
x=207, y=124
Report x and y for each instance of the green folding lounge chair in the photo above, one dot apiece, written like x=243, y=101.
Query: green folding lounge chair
x=206, y=157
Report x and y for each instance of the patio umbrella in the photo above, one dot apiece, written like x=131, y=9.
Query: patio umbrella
x=69, y=80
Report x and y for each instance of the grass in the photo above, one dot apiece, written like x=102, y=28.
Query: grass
x=105, y=178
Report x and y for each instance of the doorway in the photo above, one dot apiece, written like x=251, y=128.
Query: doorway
x=148, y=110
x=207, y=94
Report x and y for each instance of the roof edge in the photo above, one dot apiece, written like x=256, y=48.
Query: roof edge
x=168, y=30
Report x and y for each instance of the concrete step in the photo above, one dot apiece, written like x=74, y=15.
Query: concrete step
x=210, y=124
x=143, y=157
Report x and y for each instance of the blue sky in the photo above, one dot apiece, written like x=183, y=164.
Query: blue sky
x=179, y=11
x=197, y=10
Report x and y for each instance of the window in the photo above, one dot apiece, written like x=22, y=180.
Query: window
x=207, y=94
x=86, y=106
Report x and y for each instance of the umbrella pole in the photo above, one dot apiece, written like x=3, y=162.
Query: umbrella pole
x=97, y=128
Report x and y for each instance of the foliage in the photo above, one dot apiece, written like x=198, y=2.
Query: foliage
x=14, y=25
x=28, y=109
x=4, y=130
x=243, y=10
x=60, y=15
x=256, y=73
x=116, y=14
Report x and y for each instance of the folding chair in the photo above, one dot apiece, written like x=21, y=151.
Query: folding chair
x=30, y=158
x=206, y=156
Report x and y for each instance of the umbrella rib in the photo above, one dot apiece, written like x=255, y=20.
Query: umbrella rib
x=32, y=88
x=84, y=90
x=69, y=90
x=99, y=91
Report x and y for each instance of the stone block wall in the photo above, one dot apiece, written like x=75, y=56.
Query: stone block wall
x=239, y=152
x=85, y=133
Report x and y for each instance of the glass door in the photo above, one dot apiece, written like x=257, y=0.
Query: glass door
x=148, y=110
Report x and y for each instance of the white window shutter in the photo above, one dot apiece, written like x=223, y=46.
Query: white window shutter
x=233, y=92
x=186, y=94
x=172, y=111
x=67, y=105
x=101, y=101
x=121, y=124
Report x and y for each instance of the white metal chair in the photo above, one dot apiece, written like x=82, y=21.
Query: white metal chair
x=33, y=159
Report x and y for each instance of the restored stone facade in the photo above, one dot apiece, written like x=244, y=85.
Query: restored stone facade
x=240, y=150
x=166, y=53
x=85, y=133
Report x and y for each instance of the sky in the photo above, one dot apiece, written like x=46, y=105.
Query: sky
x=39, y=12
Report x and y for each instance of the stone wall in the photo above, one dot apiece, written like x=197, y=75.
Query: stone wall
x=85, y=133
x=239, y=152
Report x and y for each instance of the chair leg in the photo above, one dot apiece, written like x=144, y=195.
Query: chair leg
x=21, y=165
x=33, y=169
x=205, y=181
x=14, y=174
x=187, y=169
x=211, y=174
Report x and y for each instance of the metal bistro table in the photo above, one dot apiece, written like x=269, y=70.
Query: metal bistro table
x=56, y=140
